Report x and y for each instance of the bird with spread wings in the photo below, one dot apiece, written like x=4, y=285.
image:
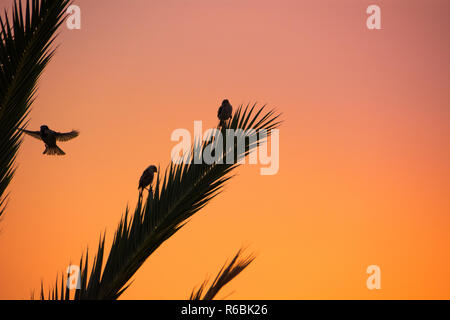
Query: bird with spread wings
x=50, y=137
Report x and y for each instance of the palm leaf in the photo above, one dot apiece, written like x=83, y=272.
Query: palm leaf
x=178, y=194
x=25, y=50
x=226, y=274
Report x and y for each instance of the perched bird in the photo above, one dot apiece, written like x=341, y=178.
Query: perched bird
x=50, y=137
x=225, y=111
x=147, y=178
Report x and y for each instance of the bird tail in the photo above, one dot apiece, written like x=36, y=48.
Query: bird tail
x=51, y=151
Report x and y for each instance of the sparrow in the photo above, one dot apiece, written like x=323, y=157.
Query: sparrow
x=50, y=137
x=225, y=111
x=147, y=178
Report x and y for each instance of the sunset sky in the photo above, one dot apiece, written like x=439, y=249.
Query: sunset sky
x=364, y=175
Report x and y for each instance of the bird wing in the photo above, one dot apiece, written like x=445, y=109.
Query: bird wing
x=231, y=110
x=143, y=181
x=65, y=136
x=34, y=134
x=219, y=111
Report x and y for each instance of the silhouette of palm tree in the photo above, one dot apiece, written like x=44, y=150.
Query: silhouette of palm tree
x=182, y=191
x=25, y=50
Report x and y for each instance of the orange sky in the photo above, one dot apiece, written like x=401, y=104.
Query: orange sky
x=364, y=152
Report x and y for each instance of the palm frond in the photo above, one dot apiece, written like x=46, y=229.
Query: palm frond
x=25, y=50
x=183, y=190
x=226, y=274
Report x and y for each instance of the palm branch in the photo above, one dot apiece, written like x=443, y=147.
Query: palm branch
x=228, y=272
x=184, y=189
x=25, y=50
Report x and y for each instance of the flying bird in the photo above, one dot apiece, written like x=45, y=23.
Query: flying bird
x=50, y=137
x=147, y=178
x=225, y=111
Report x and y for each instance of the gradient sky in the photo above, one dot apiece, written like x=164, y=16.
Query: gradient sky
x=364, y=152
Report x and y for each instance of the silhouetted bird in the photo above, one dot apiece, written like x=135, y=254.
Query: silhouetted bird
x=147, y=178
x=50, y=137
x=225, y=112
